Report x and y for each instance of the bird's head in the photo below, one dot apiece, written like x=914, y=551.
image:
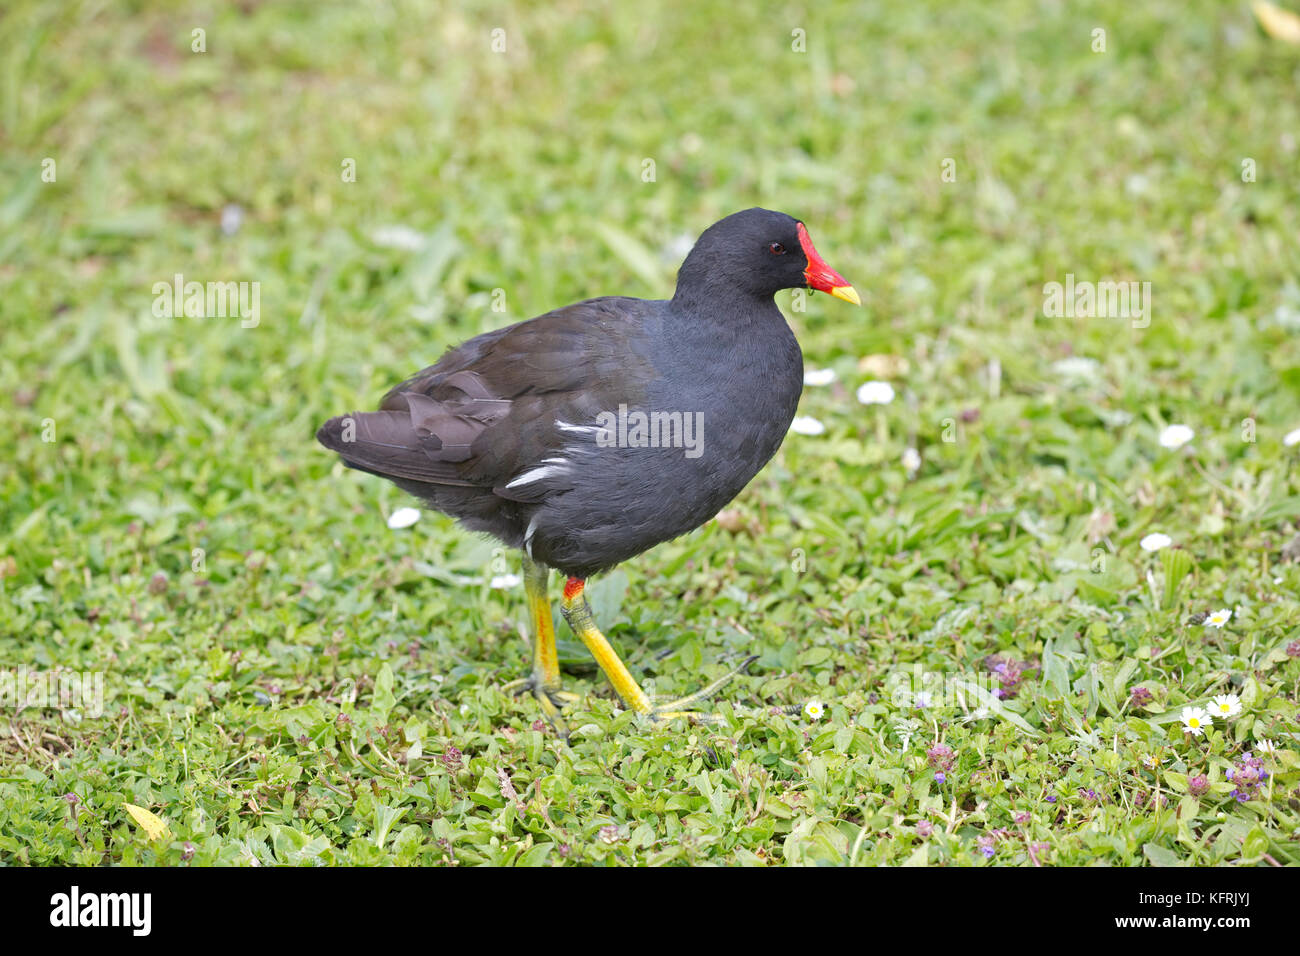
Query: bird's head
x=761, y=252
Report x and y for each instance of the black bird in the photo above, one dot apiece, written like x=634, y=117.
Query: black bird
x=590, y=434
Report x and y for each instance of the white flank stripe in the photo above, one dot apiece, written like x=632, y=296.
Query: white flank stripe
x=528, y=535
x=577, y=429
x=537, y=474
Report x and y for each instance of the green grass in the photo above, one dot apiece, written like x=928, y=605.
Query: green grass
x=289, y=681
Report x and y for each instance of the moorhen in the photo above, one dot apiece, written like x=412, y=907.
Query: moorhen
x=590, y=434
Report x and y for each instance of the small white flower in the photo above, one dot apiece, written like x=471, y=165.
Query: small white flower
x=403, y=518
x=1219, y=618
x=912, y=461
x=1266, y=747
x=876, y=393
x=675, y=249
x=1176, y=436
x=502, y=581
x=1155, y=541
x=232, y=217
x=1292, y=438
x=814, y=710
x=1226, y=705
x=807, y=425
x=1077, y=368
x=819, y=376
x=1195, y=720
x=398, y=237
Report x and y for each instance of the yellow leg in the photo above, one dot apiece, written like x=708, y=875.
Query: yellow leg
x=578, y=613
x=544, y=682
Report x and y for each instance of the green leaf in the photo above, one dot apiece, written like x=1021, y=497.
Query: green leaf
x=1255, y=845
x=535, y=855
x=1161, y=856
x=382, y=701
x=633, y=254
x=385, y=817
x=1177, y=565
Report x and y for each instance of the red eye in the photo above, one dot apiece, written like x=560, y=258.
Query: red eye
x=776, y=249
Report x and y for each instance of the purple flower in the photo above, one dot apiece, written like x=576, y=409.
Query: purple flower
x=1023, y=817
x=1249, y=776
x=1051, y=798
x=1009, y=672
x=452, y=759
x=1140, y=697
x=941, y=757
x=1198, y=785
x=924, y=828
x=940, y=777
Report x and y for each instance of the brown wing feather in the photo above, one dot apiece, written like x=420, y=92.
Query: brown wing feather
x=487, y=410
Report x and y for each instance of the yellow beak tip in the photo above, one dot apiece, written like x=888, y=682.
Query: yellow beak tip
x=847, y=293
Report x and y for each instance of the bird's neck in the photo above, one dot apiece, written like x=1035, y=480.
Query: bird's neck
x=724, y=306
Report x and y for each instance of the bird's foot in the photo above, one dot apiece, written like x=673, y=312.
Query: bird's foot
x=549, y=697
x=684, y=707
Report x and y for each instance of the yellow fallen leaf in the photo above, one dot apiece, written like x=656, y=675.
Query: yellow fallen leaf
x=153, y=826
x=1278, y=23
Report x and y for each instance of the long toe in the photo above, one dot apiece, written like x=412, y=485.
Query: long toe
x=551, y=700
x=685, y=706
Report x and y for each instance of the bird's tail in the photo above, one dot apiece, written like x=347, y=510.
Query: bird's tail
x=385, y=443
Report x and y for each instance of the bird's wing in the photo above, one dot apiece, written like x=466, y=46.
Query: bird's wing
x=493, y=412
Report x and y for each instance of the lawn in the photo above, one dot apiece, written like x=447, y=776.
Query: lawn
x=1002, y=666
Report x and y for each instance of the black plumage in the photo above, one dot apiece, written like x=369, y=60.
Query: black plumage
x=504, y=431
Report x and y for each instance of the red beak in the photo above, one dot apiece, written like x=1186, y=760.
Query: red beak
x=822, y=277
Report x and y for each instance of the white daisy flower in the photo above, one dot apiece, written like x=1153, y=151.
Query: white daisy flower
x=807, y=425
x=1077, y=368
x=1176, y=436
x=676, y=248
x=1155, y=541
x=876, y=393
x=819, y=376
x=814, y=710
x=1266, y=747
x=1195, y=720
x=503, y=581
x=912, y=461
x=1226, y=705
x=403, y=518
x=1219, y=618
x=398, y=237
x=1291, y=438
